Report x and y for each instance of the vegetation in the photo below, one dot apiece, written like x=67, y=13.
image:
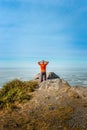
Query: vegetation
x=15, y=92
x=49, y=109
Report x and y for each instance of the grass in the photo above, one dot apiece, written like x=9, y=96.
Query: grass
x=41, y=113
x=15, y=92
x=47, y=120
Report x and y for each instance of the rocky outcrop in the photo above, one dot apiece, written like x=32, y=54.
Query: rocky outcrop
x=55, y=105
x=50, y=75
x=78, y=92
x=54, y=84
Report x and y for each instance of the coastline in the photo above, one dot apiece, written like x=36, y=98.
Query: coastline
x=75, y=77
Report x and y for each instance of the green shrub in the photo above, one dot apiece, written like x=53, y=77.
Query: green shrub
x=15, y=92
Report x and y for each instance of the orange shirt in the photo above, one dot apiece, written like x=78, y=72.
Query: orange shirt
x=43, y=66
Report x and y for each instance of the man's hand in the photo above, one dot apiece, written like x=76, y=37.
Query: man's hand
x=46, y=62
x=38, y=62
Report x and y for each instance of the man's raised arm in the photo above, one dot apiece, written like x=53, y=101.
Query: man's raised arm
x=38, y=62
x=46, y=62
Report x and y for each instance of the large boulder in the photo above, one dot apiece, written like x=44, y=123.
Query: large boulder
x=54, y=84
x=50, y=75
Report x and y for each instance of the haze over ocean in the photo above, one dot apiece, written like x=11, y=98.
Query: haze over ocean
x=73, y=76
x=33, y=30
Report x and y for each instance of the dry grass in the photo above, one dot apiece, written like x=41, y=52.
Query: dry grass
x=47, y=110
x=15, y=92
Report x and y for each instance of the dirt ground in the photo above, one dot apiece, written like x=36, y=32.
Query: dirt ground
x=47, y=110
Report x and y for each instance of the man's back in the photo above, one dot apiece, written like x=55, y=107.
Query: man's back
x=43, y=66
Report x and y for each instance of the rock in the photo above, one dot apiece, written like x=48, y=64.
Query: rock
x=79, y=92
x=73, y=94
x=37, y=76
x=53, y=106
x=54, y=84
x=50, y=75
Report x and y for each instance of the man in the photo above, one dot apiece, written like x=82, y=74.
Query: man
x=43, y=65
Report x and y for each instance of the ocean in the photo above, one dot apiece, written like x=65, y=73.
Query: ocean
x=75, y=77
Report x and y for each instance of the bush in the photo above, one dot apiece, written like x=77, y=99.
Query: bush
x=15, y=92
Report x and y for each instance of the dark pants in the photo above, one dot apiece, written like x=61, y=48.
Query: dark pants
x=43, y=76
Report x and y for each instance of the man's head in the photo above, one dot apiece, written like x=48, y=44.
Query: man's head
x=43, y=61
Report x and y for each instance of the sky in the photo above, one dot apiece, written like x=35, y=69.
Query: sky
x=53, y=30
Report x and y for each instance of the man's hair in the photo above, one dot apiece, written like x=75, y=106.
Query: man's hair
x=42, y=61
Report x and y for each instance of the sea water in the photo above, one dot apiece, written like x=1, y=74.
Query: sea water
x=8, y=74
x=75, y=77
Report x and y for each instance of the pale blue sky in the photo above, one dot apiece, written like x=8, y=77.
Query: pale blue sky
x=32, y=30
